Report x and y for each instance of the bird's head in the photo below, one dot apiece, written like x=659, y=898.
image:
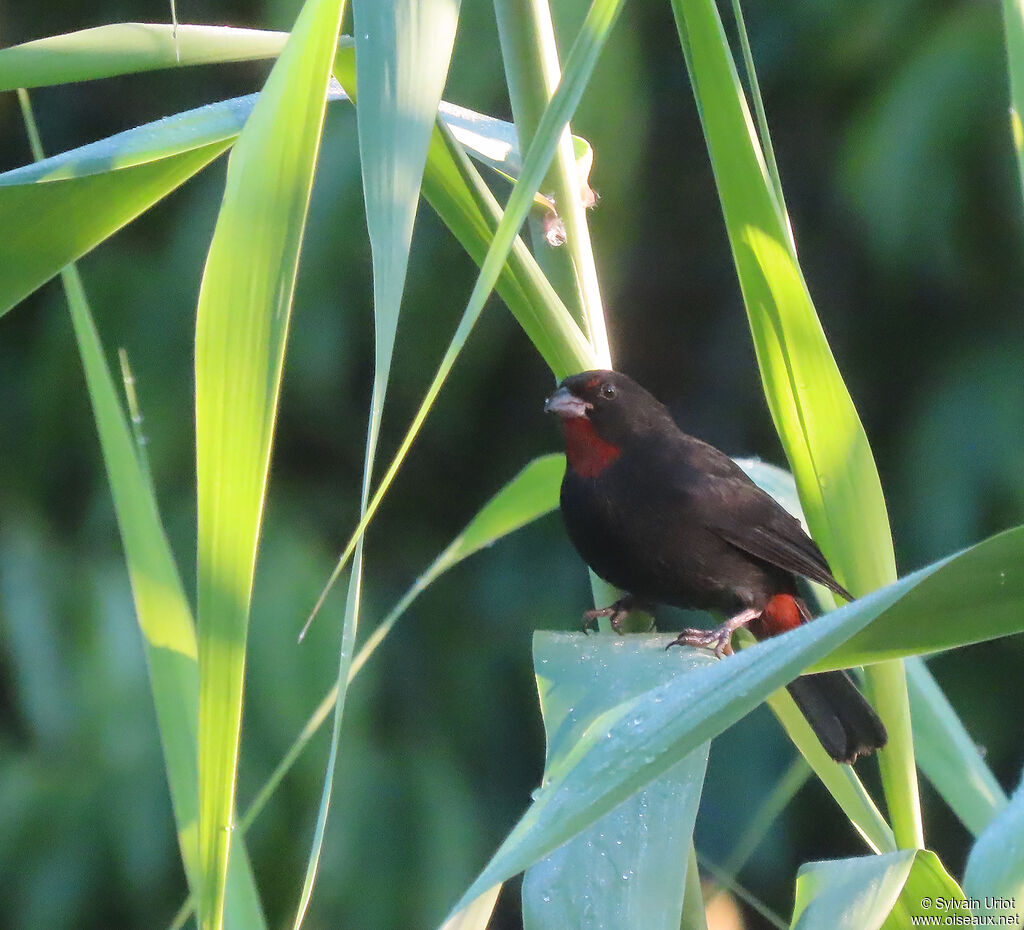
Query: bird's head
x=601, y=412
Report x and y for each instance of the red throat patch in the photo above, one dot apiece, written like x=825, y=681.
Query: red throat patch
x=588, y=453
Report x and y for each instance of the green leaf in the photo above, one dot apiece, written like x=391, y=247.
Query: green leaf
x=841, y=780
x=629, y=866
x=870, y=892
x=593, y=33
x=982, y=599
x=241, y=328
x=50, y=225
x=995, y=867
x=161, y=607
x=127, y=48
x=629, y=746
x=403, y=50
x=812, y=410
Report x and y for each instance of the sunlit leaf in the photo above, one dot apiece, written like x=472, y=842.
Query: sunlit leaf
x=241, y=329
x=127, y=48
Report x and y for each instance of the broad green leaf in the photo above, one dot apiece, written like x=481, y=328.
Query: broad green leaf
x=1013, y=22
x=870, y=892
x=812, y=410
x=627, y=869
x=995, y=867
x=50, y=225
x=982, y=600
x=641, y=738
x=241, y=329
x=161, y=607
x=127, y=48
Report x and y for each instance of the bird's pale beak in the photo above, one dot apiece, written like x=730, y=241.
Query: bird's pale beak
x=566, y=404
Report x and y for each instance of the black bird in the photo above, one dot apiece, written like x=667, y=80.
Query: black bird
x=672, y=520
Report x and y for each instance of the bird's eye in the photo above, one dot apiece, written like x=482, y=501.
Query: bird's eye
x=608, y=390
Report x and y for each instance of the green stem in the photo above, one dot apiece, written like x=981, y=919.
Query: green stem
x=532, y=70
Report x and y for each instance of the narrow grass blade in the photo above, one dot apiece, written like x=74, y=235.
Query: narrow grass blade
x=948, y=756
x=593, y=33
x=161, y=607
x=630, y=865
x=995, y=867
x=402, y=54
x=127, y=48
x=1013, y=23
x=241, y=329
x=629, y=746
x=813, y=413
x=529, y=495
x=870, y=892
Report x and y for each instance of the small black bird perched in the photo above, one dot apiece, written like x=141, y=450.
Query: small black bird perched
x=671, y=520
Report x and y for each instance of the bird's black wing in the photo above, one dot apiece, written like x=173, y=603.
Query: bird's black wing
x=738, y=511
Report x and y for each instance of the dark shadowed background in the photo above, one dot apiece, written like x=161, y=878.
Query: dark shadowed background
x=890, y=123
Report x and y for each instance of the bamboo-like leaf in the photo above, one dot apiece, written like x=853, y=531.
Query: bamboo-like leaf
x=127, y=48
x=50, y=225
x=241, y=329
x=629, y=746
x=813, y=413
x=871, y=892
x=593, y=33
x=629, y=866
x=995, y=867
x=403, y=50
x=161, y=607
x=532, y=493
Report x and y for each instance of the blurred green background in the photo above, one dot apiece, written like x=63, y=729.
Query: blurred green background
x=890, y=123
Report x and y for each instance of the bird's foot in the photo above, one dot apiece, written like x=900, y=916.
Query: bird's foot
x=617, y=612
x=720, y=638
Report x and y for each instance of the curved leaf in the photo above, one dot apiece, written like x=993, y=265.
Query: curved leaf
x=870, y=892
x=241, y=329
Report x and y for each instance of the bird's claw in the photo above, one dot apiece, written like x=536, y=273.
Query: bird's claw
x=616, y=612
x=718, y=639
